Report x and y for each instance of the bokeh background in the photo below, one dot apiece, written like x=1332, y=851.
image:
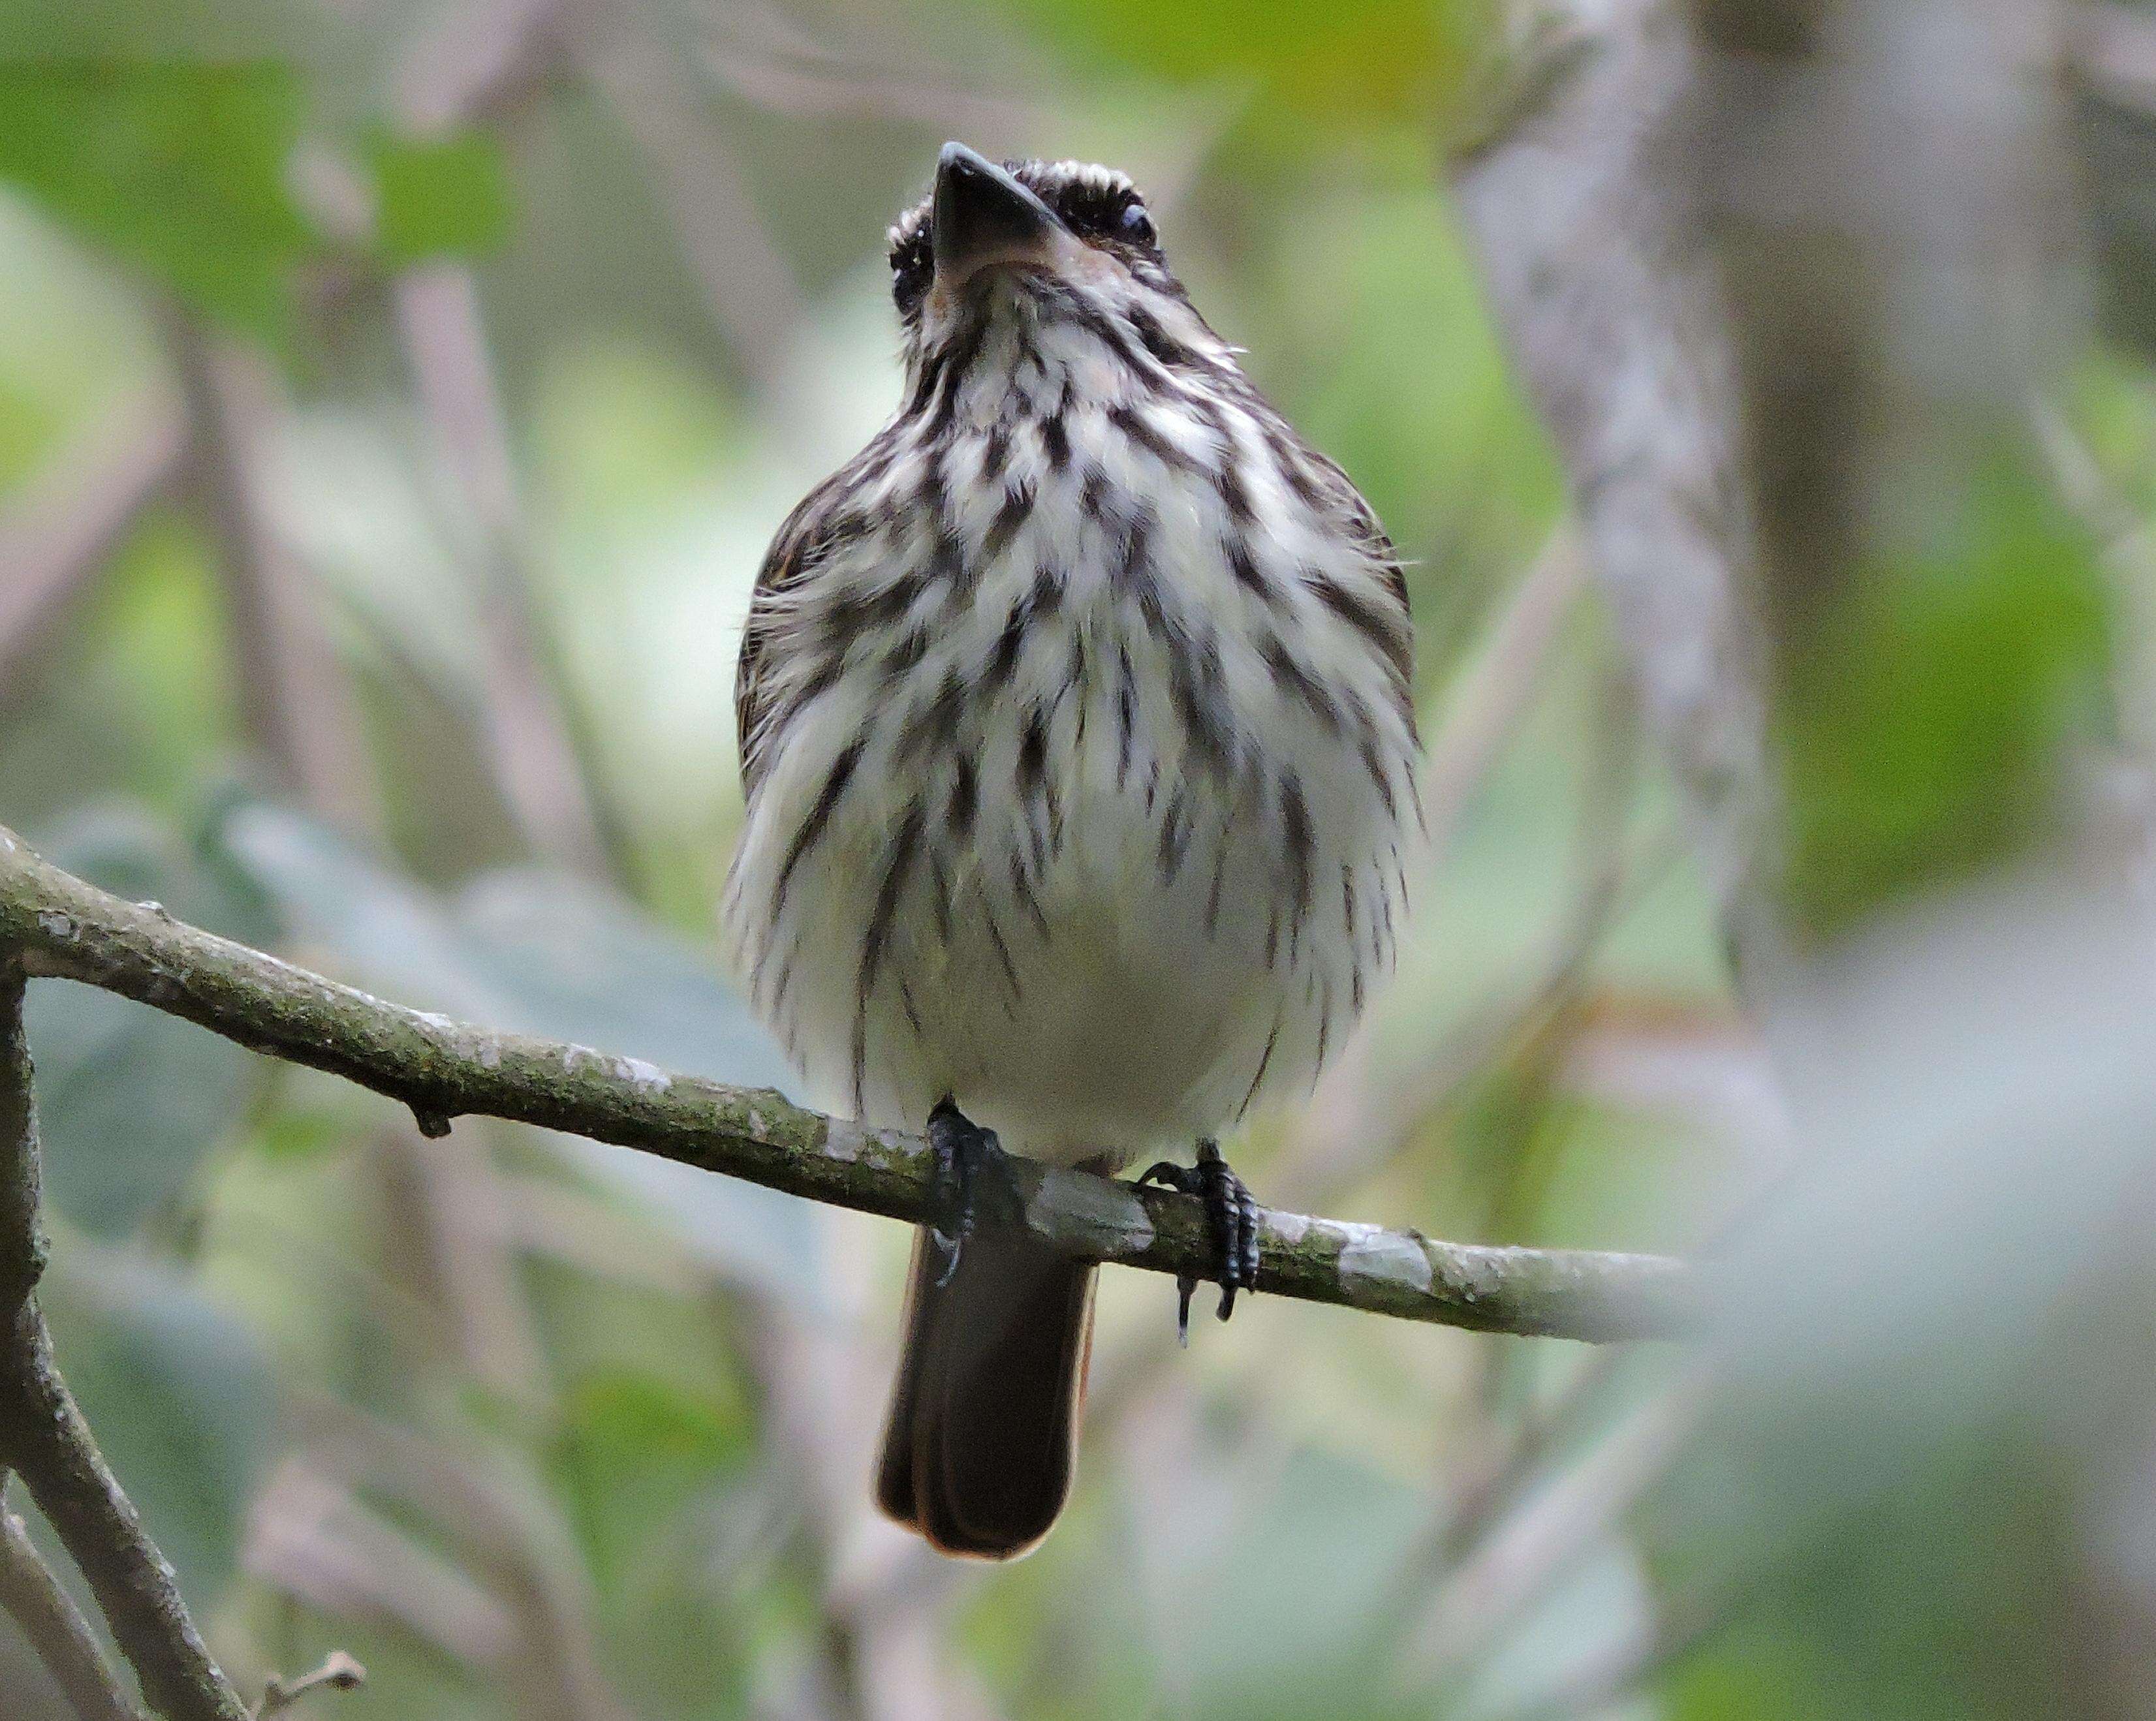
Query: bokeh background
x=395, y=401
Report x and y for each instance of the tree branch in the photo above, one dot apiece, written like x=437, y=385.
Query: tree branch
x=44, y=1436
x=1600, y=280
x=55, y=1628
x=44, y=1439
x=442, y=1069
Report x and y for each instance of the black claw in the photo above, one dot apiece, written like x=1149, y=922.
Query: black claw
x=961, y=1148
x=1231, y=1219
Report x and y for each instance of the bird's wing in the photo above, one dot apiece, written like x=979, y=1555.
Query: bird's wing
x=817, y=522
x=1360, y=520
x=1393, y=633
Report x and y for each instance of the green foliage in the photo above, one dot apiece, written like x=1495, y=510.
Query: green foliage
x=438, y=197
x=147, y=695
x=184, y=169
x=664, y=1441
x=1253, y=1645
x=130, y=1101
x=1360, y=67
x=598, y=1345
x=1397, y=373
x=543, y=955
x=180, y=170
x=26, y=429
x=1924, y=720
x=648, y=1465
x=1748, y=1674
x=178, y=1394
x=2120, y=142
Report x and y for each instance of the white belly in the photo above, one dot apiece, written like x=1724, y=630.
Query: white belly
x=1121, y=962
x=1110, y=1022
x=1105, y=900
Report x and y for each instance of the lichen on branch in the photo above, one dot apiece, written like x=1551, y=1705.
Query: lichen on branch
x=442, y=1069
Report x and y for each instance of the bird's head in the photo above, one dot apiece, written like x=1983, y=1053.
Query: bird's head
x=1037, y=262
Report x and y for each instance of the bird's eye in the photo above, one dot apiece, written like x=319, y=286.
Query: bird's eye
x=1135, y=225
x=910, y=270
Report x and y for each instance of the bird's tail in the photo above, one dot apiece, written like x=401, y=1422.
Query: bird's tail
x=977, y=1455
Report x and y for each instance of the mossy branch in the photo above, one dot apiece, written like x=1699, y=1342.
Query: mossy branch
x=442, y=1069
x=44, y=1439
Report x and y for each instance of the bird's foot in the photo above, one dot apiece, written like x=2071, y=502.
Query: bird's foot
x=964, y=1150
x=1231, y=1217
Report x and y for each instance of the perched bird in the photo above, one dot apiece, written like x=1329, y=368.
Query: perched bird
x=1076, y=734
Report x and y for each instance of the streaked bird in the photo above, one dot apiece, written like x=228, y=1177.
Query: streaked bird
x=1076, y=733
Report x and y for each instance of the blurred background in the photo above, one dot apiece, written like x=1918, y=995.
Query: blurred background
x=395, y=401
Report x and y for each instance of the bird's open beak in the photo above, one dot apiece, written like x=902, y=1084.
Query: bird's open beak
x=984, y=216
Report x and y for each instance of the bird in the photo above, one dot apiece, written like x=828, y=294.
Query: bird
x=1078, y=746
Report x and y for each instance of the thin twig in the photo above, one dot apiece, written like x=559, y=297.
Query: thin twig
x=340, y=1672
x=44, y=1439
x=53, y=1626
x=442, y=1069
x=746, y=286
x=55, y=540
x=548, y=1667
x=250, y=580
x=1529, y=1547
x=311, y=1540
x=1492, y=1480
x=541, y=758
x=1485, y=705
x=23, y=1247
x=295, y=700
x=476, y=62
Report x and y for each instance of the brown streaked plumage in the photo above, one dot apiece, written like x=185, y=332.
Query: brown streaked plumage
x=1077, y=731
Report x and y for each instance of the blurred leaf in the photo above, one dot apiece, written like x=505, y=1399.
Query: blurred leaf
x=71, y=350
x=202, y=32
x=1380, y=60
x=2115, y=134
x=1930, y=1409
x=136, y=704
x=1598, y=1609
x=179, y=1396
x=636, y=1453
x=585, y=961
x=1746, y=1674
x=177, y=168
x=548, y=956
x=1401, y=377
x=1279, y=1607
x=438, y=197
x=130, y=1099
x=1924, y=720
x=301, y=1132
x=674, y=1504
